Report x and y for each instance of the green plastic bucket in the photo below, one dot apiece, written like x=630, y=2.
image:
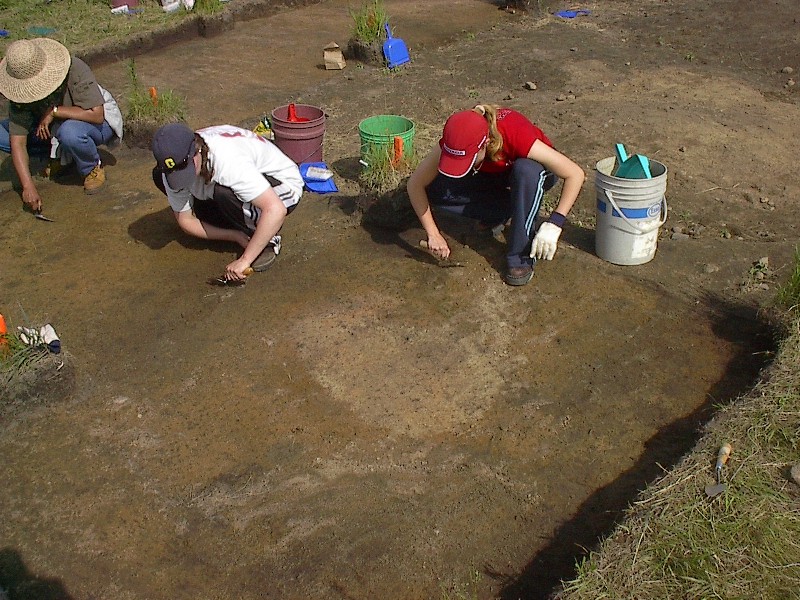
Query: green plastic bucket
x=378, y=133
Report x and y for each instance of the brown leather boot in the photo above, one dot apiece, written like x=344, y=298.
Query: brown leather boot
x=95, y=180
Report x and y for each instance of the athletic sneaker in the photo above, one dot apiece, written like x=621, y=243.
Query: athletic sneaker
x=264, y=260
x=268, y=255
x=519, y=275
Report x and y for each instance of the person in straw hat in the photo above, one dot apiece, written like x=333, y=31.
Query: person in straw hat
x=55, y=97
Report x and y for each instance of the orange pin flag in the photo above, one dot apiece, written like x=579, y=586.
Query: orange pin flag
x=154, y=96
x=398, y=150
x=3, y=333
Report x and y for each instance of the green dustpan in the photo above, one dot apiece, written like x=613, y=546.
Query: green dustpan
x=635, y=167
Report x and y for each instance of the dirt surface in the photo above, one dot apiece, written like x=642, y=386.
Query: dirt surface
x=359, y=422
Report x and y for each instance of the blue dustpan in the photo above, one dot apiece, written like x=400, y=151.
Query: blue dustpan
x=394, y=49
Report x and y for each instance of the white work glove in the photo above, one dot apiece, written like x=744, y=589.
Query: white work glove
x=50, y=337
x=546, y=241
x=30, y=336
x=44, y=336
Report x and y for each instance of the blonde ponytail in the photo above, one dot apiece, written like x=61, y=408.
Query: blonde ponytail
x=495, y=144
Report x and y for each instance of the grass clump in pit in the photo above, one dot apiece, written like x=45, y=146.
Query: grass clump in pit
x=208, y=7
x=17, y=357
x=386, y=168
x=24, y=370
x=384, y=200
x=148, y=109
x=369, y=22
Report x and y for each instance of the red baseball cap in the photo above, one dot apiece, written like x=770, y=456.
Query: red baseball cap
x=465, y=133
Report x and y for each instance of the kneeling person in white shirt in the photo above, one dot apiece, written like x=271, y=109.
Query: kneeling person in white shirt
x=228, y=183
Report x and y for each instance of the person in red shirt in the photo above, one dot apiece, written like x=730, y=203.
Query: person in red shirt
x=492, y=164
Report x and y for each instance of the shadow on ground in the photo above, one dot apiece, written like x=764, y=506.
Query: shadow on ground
x=747, y=329
x=20, y=583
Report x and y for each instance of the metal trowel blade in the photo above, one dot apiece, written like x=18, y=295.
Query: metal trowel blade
x=716, y=489
x=222, y=282
x=41, y=217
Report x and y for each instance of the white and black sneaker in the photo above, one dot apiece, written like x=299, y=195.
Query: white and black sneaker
x=268, y=255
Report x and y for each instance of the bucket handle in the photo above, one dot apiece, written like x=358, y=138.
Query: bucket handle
x=310, y=155
x=629, y=222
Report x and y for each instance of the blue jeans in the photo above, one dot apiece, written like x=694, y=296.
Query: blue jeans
x=495, y=198
x=80, y=140
x=77, y=139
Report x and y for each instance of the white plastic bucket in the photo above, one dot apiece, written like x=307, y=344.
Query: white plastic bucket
x=629, y=214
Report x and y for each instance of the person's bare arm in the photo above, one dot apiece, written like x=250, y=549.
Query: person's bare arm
x=421, y=178
x=193, y=226
x=273, y=214
x=21, y=161
x=563, y=167
x=94, y=115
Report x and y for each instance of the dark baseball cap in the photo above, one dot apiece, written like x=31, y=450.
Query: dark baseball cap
x=174, y=148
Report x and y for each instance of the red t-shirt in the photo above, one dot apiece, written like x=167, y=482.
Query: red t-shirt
x=519, y=134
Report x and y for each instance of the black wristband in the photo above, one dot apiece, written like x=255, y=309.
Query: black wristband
x=557, y=219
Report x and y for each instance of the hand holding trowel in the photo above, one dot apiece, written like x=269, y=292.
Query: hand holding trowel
x=224, y=281
x=722, y=458
x=442, y=262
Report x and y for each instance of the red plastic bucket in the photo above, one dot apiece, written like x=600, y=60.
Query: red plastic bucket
x=299, y=140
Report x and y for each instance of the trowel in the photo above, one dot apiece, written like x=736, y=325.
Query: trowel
x=722, y=457
x=442, y=262
x=222, y=281
x=38, y=214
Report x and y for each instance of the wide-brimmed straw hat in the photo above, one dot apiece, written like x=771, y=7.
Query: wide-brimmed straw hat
x=32, y=69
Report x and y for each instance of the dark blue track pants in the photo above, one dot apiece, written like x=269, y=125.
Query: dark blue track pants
x=495, y=198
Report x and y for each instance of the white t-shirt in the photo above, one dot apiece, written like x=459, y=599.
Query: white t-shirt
x=240, y=159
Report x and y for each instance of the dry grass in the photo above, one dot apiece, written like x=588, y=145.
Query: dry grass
x=745, y=543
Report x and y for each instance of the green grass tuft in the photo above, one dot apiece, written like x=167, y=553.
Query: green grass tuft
x=16, y=357
x=789, y=293
x=208, y=7
x=382, y=173
x=167, y=108
x=369, y=21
